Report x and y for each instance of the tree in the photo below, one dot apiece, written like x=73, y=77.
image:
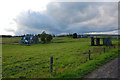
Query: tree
x=48, y=38
x=70, y=35
x=74, y=35
x=43, y=37
x=39, y=35
x=53, y=35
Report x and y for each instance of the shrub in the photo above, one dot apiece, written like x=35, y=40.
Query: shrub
x=48, y=38
x=45, y=37
x=75, y=35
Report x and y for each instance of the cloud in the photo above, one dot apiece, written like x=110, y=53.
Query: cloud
x=35, y=21
x=69, y=17
x=116, y=32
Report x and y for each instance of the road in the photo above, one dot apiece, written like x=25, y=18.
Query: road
x=109, y=70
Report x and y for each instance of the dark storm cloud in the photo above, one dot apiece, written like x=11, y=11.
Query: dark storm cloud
x=69, y=17
x=34, y=20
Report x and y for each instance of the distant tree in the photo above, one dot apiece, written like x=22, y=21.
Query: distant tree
x=69, y=35
x=48, y=38
x=74, y=35
x=24, y=35
x=6, y=35
x=43, y=36
x=27, y=34
x=39, y=35
x=53, y=35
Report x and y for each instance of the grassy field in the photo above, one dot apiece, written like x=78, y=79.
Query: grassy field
x=10, y=40
x=70, y=58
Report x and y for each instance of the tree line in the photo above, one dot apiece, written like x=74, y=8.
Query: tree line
x=44, y=36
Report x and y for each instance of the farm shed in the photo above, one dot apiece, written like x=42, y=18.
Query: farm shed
x=30, y=39
x=106, y=41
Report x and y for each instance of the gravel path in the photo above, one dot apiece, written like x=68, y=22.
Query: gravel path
x=109, y=70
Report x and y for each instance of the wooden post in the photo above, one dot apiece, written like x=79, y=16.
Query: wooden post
x=89, y=54
x=92, y=41
x=51, y=64
x=104, y=50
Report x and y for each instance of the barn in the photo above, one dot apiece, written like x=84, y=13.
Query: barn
x=30, y=39
x=106, y=41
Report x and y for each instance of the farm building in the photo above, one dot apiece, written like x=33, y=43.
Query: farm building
x=106, y=41
x=30, y=39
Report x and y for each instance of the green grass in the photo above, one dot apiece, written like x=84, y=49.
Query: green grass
x=87, y=67
x=10, y=40
x=68, y=58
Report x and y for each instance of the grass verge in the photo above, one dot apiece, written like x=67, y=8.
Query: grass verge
x=84, y=69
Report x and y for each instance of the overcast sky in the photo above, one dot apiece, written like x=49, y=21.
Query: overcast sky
x=58, y=17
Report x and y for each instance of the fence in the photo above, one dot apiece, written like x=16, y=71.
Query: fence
x=52, y=64
x=90, y=54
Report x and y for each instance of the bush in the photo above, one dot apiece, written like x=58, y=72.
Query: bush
x=45, y=37
x=48, y=38
x=53, y=35
x=75, y=35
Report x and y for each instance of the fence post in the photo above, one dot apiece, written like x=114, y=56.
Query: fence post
x=89, y=54
x=104, y=50
x=92, y=41
x=51, y=64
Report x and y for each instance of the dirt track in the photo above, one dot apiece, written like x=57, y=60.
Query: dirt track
x=109, y=70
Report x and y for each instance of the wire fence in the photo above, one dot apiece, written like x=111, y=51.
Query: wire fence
x=88, y=55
